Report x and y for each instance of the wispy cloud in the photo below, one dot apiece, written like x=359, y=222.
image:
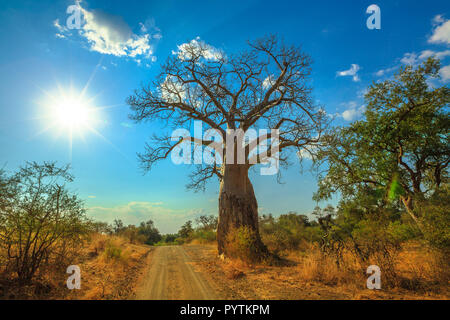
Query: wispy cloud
x=440, y=35
x=352, y=112
x=413, y=59
x=382, y=72
x=445, y=73
x=126, y=125
x=352, y=72
x=438, y=54
x=111, y=35
x=198, y=47
x=409, y=58
x=269, y=81
x=441, y=30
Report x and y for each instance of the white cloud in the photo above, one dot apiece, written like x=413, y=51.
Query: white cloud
x=382, y=72
x=438, y=54
x=269, y=81
x=438, y=19
x=441, y=32
x=166, y=220
x=172, y=90
x=149, y=26
x=143, y=27
x=197, y=47
x=353, y=72
x=409, y=58
x=412, y=58
x=111, y=35
x=92, y=197
x=352, y=112
x=306, y=153
x=58, y=26
x=445, y=73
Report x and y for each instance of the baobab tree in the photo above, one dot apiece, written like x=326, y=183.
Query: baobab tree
x=265, y=87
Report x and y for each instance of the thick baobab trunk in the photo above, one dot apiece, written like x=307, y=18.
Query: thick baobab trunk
x=238, y=208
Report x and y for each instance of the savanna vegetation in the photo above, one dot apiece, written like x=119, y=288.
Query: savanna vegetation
x=265, y=86
x=44, y=230
x=390, y=170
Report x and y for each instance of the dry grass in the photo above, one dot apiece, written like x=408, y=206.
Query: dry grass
x=110, y=267
x=420, y=275
x=113, y=269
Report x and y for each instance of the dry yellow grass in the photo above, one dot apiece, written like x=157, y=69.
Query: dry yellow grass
x=311, y=275
x=113, y=269
x=110, y=268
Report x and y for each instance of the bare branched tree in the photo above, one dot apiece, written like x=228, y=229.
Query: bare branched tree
x=265, y=87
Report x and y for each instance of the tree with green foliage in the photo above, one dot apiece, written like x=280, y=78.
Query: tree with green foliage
x=265, y=86
x=186, y=230
x=150, y=232
x=101, y=227
x=207, y=222
x=400, y=152
x=40, y=220
x=118, y=226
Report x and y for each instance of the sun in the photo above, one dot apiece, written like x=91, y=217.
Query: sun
x=69, y=112
x=72, y=112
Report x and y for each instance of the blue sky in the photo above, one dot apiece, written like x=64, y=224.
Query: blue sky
x=120, y=47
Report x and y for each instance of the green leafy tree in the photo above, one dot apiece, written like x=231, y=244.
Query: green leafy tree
x=400, y=151
x=101, y=227
x=40, y=220
x=150, y=232
x=207, y=222
x=186, y=230
x=118, y=226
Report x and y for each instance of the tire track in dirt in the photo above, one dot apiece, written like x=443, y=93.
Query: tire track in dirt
x=170, y=276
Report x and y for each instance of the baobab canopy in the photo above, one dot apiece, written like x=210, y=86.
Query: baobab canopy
x=265, y=86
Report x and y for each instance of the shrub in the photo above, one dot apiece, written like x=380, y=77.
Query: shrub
x=436, y=220
x=204, y=236
x=287, y=232
x=242, y=243
x=114, y=252
x=40, y=221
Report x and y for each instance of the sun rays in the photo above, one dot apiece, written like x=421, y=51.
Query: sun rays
x=69, y=112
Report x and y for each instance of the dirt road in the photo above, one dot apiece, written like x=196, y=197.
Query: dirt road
x=171, y=276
